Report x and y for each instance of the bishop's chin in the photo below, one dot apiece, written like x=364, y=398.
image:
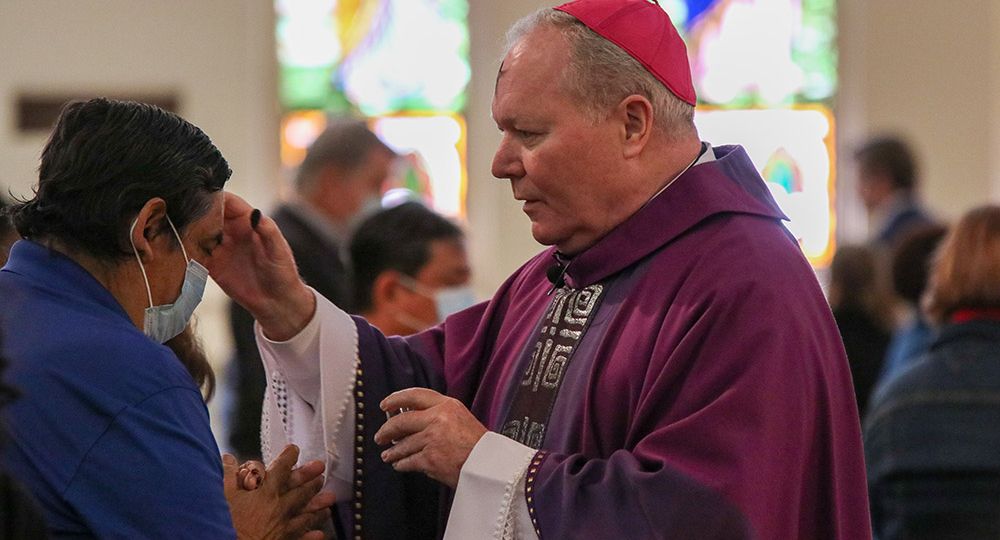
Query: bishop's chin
x=543, y=237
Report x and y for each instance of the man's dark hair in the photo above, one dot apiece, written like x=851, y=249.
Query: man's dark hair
x=911, y=261
x=890, y=156
x=7, y=235
x=395, y=239
x=104, y=160
x=346, y=144
x=5, y=225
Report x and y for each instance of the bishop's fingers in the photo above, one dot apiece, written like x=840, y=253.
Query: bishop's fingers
x=412, y=399
x=401, y=426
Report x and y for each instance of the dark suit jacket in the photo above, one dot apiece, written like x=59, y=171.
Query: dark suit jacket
x=903, y=222
x=321, y=267
x=865, y=342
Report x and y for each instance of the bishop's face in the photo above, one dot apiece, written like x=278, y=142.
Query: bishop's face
x=560, y=162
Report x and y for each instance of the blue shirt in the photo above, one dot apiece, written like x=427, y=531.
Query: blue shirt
x=110, y=434
x=908, y=344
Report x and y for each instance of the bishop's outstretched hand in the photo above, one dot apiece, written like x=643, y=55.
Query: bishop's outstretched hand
x=255, y=267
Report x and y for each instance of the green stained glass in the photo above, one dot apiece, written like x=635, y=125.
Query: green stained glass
x=304, y=87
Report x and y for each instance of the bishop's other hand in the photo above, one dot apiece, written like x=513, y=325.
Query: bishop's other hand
x=435, y=436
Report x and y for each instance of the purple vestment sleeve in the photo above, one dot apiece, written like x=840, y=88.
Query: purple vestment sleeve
x=624, y=497
x=386, y=503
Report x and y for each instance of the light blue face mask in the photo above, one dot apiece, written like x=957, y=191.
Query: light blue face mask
x=453, y=299
x=447, y=300
x=161, y=323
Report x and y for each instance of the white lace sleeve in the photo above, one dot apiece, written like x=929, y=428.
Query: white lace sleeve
x=489, y=500
x=310, y=383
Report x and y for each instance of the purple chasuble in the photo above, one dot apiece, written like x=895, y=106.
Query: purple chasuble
x=710, y=396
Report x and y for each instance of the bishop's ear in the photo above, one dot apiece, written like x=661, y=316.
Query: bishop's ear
x=148, y=228
x=637, y=114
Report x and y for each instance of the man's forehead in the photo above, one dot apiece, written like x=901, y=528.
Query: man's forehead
x=218, y=205
x=538, y=53
x=211, y=223
x=448, y=259
x=505, y=63
x=221, y=214
x=496, y=82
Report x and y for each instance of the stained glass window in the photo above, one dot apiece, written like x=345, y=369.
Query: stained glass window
x=766, y=76
x=404, y=64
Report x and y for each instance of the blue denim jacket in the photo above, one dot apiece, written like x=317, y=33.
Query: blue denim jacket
x=932, y=440
x=908, y=345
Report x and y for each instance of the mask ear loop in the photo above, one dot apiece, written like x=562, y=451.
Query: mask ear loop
x=415, y=286
x=145, y=280
x=178, y=236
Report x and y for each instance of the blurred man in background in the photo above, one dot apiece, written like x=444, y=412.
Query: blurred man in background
x=887, y=173
x=410, y=269
x=911, y=262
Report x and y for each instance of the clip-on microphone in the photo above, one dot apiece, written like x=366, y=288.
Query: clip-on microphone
x=556, y=275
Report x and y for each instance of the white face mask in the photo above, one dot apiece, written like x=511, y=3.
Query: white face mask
x=164, y=322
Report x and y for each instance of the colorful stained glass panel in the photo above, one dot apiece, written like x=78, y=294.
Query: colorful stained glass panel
x=793, y=149
x=404, y=64
x=759, y=53
x=766, y=75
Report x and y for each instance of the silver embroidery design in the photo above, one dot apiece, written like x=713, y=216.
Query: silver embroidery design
x=563, y=326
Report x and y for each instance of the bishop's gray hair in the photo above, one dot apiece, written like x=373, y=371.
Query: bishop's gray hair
x=601, y=73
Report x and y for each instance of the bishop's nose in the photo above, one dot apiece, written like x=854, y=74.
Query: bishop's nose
x=507, y=162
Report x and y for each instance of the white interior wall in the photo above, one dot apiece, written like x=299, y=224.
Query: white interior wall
x=215, y=56
x=929, y=71
x=990, y=74
x=500, y=234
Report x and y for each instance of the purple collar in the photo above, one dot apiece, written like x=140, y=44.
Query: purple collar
x=730, y=184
